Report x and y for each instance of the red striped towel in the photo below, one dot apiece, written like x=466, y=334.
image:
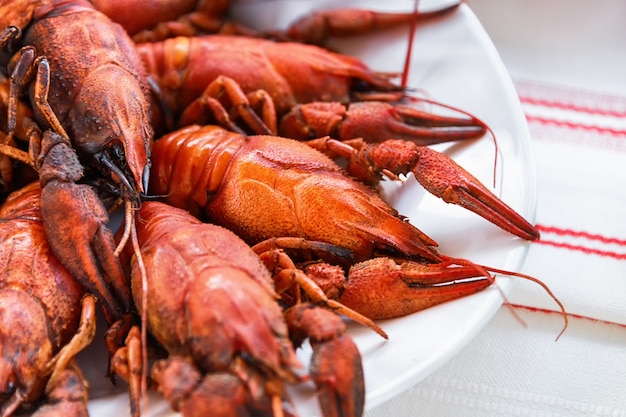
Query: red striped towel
x=579, y=145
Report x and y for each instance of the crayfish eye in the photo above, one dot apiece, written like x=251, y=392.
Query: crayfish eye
x=118, y=154
x=360, y=86
x=8, y=390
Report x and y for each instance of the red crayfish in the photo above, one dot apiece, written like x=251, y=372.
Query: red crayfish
x=95, y=99
x=282, y=81
x=211, y=304
x=42, y=323
x=276, y=192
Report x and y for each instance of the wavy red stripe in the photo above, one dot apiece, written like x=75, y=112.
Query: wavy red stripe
x=570, y=315
x=572, y=125
x=583, y=249
x=572, y=107
x=577, y=233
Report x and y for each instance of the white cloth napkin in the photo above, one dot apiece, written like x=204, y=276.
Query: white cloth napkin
x=579, y=145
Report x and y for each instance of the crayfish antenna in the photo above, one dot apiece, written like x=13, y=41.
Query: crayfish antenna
x=130, y=232
x=128, y=224
x=144, y=311
x=409, y=50
x=547, y=290
x=523, y=276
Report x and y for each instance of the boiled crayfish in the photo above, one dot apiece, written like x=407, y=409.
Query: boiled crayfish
x=277, y=192
x=281, y=81
x=211, y=304
x=95, y=98
x=151, y=22
x=42, y=323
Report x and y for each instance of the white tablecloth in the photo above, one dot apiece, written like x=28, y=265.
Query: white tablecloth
x=569, y=72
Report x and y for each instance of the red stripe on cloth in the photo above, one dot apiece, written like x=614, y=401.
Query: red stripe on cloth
x=573, y=125
x=560, y=313
x=577, y=233
x=572, y=107
x=583, y=249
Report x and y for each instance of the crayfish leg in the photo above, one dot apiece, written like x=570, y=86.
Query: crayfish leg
x=25, y=67
x=243, y=106
x=83, y=338
x=127, y=362
x=68, y=397
x=286, y=275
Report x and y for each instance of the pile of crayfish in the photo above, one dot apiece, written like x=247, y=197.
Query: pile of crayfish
x=242, y=236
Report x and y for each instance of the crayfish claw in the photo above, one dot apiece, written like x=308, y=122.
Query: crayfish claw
x=339, y=378
x=315, y=28
x=384, y=288
x=443, y=177
x=220, y=394
x=86, y=251
x=376, y=121
x=336, y=367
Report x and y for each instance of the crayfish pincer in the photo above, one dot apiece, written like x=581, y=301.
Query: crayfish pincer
x=86, y=251
x=42, y=323
x=86, y=82
x=211, y=304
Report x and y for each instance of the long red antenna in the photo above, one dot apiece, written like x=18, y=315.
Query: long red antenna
x=407, y=62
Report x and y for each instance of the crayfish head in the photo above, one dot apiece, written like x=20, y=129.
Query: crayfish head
x=25, y=349
x=114, y=131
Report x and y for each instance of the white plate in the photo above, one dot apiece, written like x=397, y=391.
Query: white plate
x=456, y=63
